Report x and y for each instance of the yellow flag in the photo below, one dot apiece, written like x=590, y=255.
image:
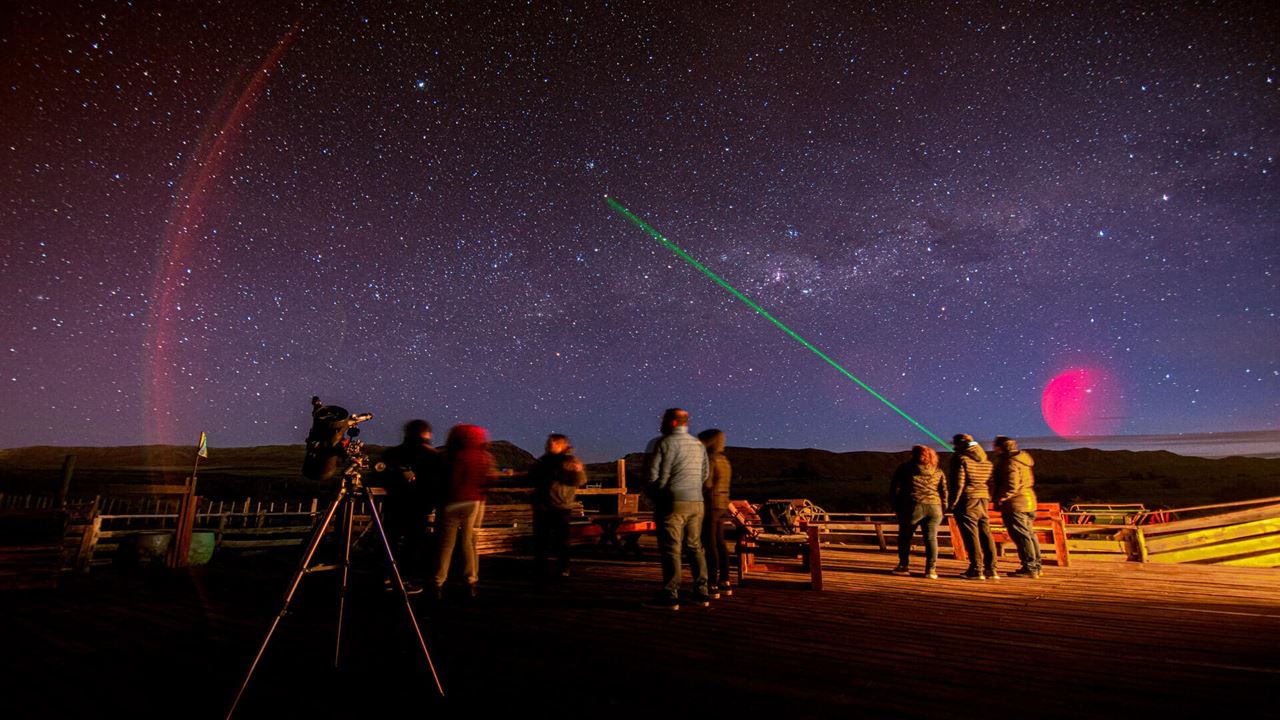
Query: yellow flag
x=203, y=450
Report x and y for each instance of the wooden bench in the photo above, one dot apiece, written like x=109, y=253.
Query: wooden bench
x=757, y=538
x=1048, y=526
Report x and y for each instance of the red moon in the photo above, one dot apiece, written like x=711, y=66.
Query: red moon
x=1080, y=402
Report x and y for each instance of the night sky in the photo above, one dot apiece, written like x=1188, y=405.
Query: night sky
x=212, y=211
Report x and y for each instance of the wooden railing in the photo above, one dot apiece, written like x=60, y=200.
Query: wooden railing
x=1247, y=534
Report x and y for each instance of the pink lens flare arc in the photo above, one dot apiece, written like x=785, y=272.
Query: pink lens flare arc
x=1081, y=402
x=180, y=245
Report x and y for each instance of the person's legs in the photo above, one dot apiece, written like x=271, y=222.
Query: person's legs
x=693, y=513
x=448, y=520
x=715, y=547
x=542, y=540
x=471, y=557
x=560, y=540
x=930, y=518
x=1023, y=535
x=670, y=533
x=967, y=521
x=906, y=528
x=984, y=539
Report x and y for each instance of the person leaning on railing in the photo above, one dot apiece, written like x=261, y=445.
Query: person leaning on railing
x=1016, y=499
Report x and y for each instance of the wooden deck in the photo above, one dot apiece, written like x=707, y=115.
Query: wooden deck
x=1094, y=639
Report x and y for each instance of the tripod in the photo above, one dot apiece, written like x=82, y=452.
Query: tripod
x=351, y=490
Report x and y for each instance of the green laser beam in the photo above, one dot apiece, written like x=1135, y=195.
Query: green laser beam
x=764, y=313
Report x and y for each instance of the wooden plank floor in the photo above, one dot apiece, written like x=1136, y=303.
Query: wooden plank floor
x=1164, y=641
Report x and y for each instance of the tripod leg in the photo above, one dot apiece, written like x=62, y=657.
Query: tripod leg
x=288, y=597
x=348, y=519
x=408, y=606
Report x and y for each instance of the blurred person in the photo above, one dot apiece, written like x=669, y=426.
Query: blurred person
x=715, y=499
x=468, y=469
x=412, y=474
x=556, y=477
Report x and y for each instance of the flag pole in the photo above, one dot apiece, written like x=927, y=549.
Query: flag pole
x=186, y=519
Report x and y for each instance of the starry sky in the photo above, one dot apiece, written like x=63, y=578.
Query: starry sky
x=212, y=211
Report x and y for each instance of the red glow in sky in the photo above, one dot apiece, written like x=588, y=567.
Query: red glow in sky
x=1079, y=402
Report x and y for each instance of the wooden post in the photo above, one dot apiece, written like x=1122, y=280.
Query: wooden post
x=957, y=543
x=90, y=538
x=68, y=467
x=1060, y=537
x=815, y=558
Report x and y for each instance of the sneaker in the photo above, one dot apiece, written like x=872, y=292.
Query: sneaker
x=726, y=589
x=931, y=574
x=901, y=570
x=991, y=574
x=1025, y=573
x=702, y=599
x=714, y=592
x=973, y=574
x=662, y=602
x=410, y=587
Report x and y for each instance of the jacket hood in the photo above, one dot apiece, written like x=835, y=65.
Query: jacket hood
x=1022, y=456
x=976, y=452
x=466, y=437
x=715, y=443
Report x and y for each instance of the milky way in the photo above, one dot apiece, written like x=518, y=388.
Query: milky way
x=213, y=211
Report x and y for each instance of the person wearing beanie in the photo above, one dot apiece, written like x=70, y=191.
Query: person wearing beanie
x=1015, y=496
x=970, y=494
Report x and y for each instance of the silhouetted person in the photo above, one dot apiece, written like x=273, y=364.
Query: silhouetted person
x=412, y=473
x=715, y=498
x=556, y=477
x=970, y=494
x=918, y=491
x=1016, y=498
x=677, y=470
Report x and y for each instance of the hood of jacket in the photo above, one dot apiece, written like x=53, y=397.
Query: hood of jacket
x=469, y=437
x=975, y=452
x=715, y=444
x=1023, y=457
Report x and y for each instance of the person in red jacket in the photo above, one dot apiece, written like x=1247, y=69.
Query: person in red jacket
x=468, y=469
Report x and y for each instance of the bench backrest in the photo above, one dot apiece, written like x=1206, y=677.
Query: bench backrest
x=1046, y=514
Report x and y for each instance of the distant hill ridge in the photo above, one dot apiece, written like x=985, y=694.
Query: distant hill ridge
x=843, y=480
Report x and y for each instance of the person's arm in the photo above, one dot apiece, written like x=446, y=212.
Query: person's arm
x=574, y=472
x=961, y=479
x=1006, y=483
x=942, y=488
x=658, y=470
